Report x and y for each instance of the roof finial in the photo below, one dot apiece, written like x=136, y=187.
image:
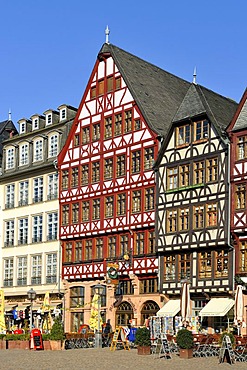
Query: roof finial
x=9, y=114
x=107, y=32
x=194, y=76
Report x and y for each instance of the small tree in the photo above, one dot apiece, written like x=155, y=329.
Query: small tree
x=142, y=337
x=184, y=339
x=57, y=331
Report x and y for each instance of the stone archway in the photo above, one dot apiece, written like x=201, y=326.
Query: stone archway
x=149, y=308
x=124, y=314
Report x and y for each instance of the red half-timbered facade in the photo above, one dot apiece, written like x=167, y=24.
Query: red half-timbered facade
x=107, y=188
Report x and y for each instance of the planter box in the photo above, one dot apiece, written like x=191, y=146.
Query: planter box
x=18, y=344
x=186, y=353
x=3, y=344
x=56, y=345
x=143, y=350
x=47, y=345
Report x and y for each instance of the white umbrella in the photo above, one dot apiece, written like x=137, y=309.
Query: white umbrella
x=239, y=307
x=185, y=302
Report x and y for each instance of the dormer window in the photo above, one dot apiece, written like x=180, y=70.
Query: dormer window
x=63, y=114
x=35, y=123
x=49, y=119
x=22, y=127
x=10, y=158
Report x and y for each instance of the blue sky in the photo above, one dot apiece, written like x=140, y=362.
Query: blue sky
x=48, y=48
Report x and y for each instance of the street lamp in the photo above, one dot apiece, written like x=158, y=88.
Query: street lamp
x=31, y=295
x=99, y=290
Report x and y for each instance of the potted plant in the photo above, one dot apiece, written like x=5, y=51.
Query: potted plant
x=46, y=341
x=185, y=342
x=18, y=341
x=143, y=341
x=3, y=341
x=57, y=335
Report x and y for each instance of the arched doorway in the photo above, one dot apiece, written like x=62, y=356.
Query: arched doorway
x=124, y=313
x=149, y=308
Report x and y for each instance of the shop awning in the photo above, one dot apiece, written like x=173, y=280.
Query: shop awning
x=171, y=308
x=217, y=307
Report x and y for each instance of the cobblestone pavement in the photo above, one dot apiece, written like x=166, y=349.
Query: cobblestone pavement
x=104, y=359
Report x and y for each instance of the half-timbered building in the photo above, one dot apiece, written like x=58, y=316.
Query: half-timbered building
x=107, y=188
x=237, y=131
x=192, y=225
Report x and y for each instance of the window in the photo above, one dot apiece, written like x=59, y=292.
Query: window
x=243, y=257
x=140, y=242
x=65, y=214
x=85, y=135
x=118, y=83
x=96, y=209
x=93, y=92
x=68, y=252
x=62, y=114
x=22, y=127
x=121, y=165
x=74, y=177
x=38, y=150
x=201, y=130
x=76, y=140
x=75, y=213
x=199, y=171
x=172, y=178
x=88, y=250
x=10, y=158
x=23, y=193
x=184, y=266
x=9, y=233
x=35, y=123
x=136, y=161
x=242, y=147
x=149, y=285
x=211, y=216
x=37, y=228
x=127, y=287
x=212, y=169
x=184, y=219
x=95, y=172
x=184, y=175
x=169, y=267
x=84, y=174
x=108, y=169
x=65, y=179
x=85, y=211
x=109, y=83
x=198, y=217
x=52, y=186
x=49, y=119
x=171, y=221
x=221, y=263
x=99, y=248
x=136, y=201
x=23, y=231
x=96, y=132
x=101, y=87
x=10, y=196
x=205, y=265
x=240, y=196
x=108, y=127
x=151, y=242
x=109, y=207
x=128, y=121
x=77, y=297
x=124, y=242
x=36, y=269
x=21, y=271
x=24, y=154
x=137, y=124
x=149, y=199
x=51, y=268
x=183, y=135
x=8, y=272
x=111, y=247
x=118, y=124
x=52, y=225
x=38, y=190
x=148, y=158
x=53, y=146
x=121, y=204
x=78, y=252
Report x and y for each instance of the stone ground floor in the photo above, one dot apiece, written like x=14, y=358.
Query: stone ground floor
x=103, y=359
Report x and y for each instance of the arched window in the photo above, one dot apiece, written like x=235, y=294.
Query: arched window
x=124, y=314
x=53, y=145
x=150, y=308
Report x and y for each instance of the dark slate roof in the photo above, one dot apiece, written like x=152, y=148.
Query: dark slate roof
x=241, y=121
x=199, y=100
x=157, y=93
x=5, y=128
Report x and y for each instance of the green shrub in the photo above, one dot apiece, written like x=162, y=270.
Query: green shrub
x=142, y=337
x=2, y=336
x=185, y=339
x=57, y=331
x=46, y=336
x=231, y=336
x=17, y=336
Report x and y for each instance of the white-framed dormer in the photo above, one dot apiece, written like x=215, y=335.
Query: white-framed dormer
x=51, y=117
x=66, y=112
x=38, y=149
x=10, y=158
x=24, y=125
x=23, y=153
x=38, y=121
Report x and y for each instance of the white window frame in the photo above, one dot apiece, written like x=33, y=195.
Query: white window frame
x=9, y=233
x=23, y=158
x=38, y=187
x=48, y=119
x=52, y=186
x=63, y=114
x=53, y=145
x=23, y=193
x=22, y=127
x=38, y=150
x=23, y=231
x=36, y=269
x=22, y=271
x=8, y=271
x=51, y=268
x=52, y=225
x=35, y=123
x=10, y=158
x=10, y=196
x=37, y=228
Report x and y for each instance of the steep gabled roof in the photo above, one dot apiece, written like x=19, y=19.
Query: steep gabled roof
x=6, y=127
x=157, y=93
x=200, y=100
x=239, y=121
